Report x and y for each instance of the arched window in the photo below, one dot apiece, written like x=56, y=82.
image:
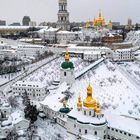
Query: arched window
x=84, y=112
x=85, y=131
x=89, y=113
x=80, y=130
x=95, y=132
x=65, y=74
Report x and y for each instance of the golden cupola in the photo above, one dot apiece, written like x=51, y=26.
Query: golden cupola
x=89, y=102
x=110, y=23
x=67, y=56
x=98, y=108
x=100, y=19
x=79, y=103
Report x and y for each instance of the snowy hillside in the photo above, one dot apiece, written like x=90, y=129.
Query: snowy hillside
x=110, y=88
x=133, y=37
x=51, y=71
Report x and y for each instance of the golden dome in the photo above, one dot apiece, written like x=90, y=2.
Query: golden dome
x=100, y=19
x=89, y=102
x=67, y=56
x=87, y=24
x=110, y=23
x=98, y=108
x=79, y=103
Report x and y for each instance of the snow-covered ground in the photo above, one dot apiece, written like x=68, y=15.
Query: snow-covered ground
x=50, y=131
x=7, y=77
x=51, y=71
x=112, y=89
x=133, y=68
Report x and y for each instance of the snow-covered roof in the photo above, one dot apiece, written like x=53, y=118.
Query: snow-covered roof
x=66, y=32
x=13, y=27
x=7, y=122
x=53, y=100
x=90, y=137
x=47, y=29
x=126, y=124
x=87, y=48
x=30, y=46
x=80, y=117
x=124, y=50
x=18, y=116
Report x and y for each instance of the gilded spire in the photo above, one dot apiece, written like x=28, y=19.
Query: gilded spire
x=98, y=109
x=79, y=103
x=67, y=56
x=89, y=90
x=100, y=14
x=64, y=104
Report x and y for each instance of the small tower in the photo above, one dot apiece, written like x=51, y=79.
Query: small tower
x=63, y=16
x=110, y=25
x=67, y=71
x=79, y=103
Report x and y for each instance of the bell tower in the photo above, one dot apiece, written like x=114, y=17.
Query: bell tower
x=63, y=16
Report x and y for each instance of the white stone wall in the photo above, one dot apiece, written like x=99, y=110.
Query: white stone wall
x=69, y=78
x=32, y=92
x=77, y=128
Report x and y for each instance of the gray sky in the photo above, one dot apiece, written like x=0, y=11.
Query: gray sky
x=80, y=10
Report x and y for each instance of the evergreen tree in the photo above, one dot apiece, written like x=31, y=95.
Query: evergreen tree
x=12, y=135
x=31, y=113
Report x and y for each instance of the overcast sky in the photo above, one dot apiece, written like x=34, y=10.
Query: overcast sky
x=80, y=10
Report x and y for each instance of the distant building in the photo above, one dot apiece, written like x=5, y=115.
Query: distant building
x=31, y=51
x=115, y=23
x=2, y=22
x=129, y=22
x=15, y=24
x=7, y=52
x=123, y=55
x=32, y=23
x=34, y=90
x=26, y=20
x=112, y=38
x=63, y=16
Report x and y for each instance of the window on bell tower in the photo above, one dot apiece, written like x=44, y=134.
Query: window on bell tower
x=65, y=74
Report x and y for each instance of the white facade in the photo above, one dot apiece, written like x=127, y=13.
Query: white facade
x=67, y=36
x=90, y=53
x=29, y=50
x=34, y=90
x=48, y=34
x=85, y=122
x=67, y=75
x=91, y=56
x=123, y=55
